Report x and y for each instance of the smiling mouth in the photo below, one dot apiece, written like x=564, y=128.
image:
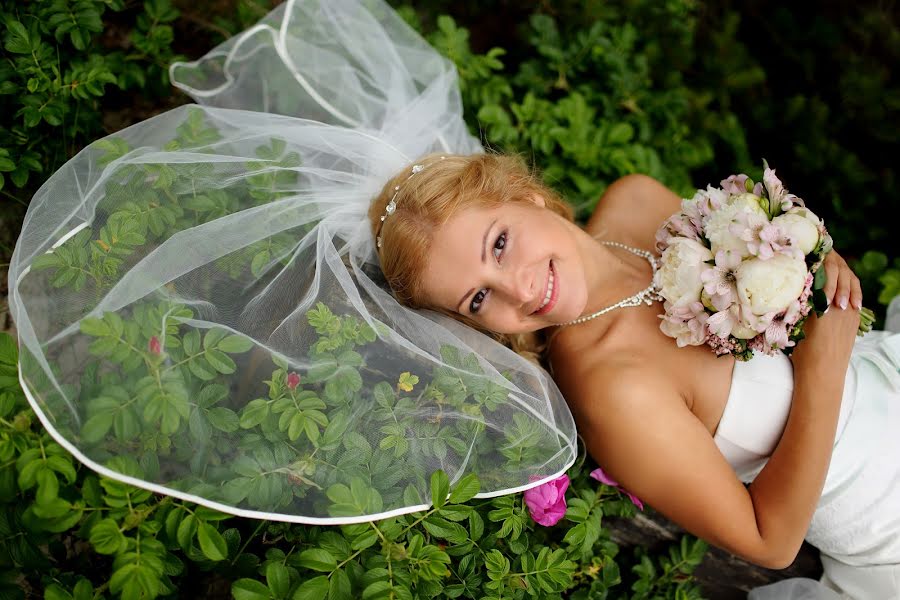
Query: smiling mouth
x=550, y=295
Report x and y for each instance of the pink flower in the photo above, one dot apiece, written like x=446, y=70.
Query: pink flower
x=678, y=225
x=605, y=479
x=735, y=184
x=293, y=380
x=789, y=201
x=722, y=322
x=154, y=345
x=776, y=334
x=719, y=282
x=774, y=187
x=547, y=502
x=685, y=323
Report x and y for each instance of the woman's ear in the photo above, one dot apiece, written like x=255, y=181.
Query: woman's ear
x=539, y=200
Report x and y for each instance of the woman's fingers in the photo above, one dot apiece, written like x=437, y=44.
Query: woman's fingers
x=831, y=276
x=842, y=295
x=856, y=294
x=842, y=286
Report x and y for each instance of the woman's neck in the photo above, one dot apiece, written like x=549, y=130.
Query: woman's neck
x=612, y=274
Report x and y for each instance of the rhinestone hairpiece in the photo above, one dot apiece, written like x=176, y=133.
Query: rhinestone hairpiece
x=392, y=205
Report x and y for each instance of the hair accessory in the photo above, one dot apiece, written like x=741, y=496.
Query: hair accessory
x=392, y=205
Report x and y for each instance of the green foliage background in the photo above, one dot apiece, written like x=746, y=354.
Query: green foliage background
x=588, y=91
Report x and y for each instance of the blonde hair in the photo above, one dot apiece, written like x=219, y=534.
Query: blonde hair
x=429, y=199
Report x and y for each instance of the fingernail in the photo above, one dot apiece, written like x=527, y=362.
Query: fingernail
x=843, y=302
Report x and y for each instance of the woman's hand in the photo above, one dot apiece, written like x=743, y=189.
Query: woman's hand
x=830, y=338
x=842, y=284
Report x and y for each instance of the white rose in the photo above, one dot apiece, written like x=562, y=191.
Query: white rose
x=801, y=227
x=736, y=210
x=766, y=286
x=679, y=276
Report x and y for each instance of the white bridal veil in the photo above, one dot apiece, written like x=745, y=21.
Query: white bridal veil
x=200, y=310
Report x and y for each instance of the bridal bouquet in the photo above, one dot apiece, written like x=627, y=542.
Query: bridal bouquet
x=740, y=268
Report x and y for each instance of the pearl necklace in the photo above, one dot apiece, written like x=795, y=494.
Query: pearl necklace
x=647, y=296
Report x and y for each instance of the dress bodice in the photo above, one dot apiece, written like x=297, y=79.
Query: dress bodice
x=757, y=409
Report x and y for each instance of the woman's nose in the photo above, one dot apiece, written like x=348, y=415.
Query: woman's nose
x=524, y=286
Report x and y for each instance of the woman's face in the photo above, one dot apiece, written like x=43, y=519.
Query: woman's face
x=512, y=268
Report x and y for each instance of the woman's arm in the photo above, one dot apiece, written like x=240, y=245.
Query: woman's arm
x=645, y=437
x=642, y=433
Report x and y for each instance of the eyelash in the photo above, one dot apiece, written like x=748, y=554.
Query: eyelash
x=477, y=300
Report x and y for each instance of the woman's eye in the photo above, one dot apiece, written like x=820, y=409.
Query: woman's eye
x=477, y=299
x=499, y=245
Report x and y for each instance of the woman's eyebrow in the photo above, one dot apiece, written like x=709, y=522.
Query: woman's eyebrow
x=483, y=256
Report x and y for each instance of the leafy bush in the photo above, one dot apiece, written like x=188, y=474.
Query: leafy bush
x=589, y=92
x=55, y=72
x=79, y=536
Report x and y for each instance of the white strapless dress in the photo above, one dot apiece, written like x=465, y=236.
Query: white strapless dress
x=857, y=521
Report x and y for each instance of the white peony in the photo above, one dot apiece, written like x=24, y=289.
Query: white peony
x=679, y=276
x=801, y=226
x=742, y=332
x=767, y=286
x=736, y=211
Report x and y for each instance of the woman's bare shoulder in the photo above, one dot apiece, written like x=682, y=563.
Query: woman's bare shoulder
x=632, y=209
x=599, y=378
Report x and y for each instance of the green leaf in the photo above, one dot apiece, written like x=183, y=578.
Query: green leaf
x=48, y=487
x=317, y=559
x=55, y=592
x=17, y=40
x=440, y=488
x=223, y=419
x=185, y=532
x=339, y=588
x=220, y=361
x=213, y=337
x=312, y=589
x=278, y=579
x=446, y=530
x=96, y=428
x=254, y=413
x=497, y=564
x=212, y=544
x=106, y=538
x=465, y=489
x=235, y=344
x=249, y=589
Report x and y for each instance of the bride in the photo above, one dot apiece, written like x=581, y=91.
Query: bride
x=158, y=256
x=478, y=238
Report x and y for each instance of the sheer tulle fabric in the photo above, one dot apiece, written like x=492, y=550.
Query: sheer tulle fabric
x=200, y=309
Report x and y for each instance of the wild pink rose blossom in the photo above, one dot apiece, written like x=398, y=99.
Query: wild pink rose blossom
x=547, y=502
x=605, y=479
x=293, y=380
x=154, y=346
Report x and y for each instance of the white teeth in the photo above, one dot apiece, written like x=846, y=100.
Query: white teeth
x=549, y=292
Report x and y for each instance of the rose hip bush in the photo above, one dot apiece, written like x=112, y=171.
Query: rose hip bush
x=79, y=536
